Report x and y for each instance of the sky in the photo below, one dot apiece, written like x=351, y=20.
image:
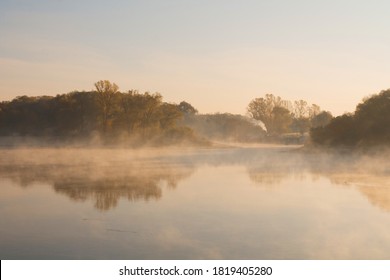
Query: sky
x=217, y=55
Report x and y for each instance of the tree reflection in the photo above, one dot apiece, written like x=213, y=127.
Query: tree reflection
x=266, y=179
x=375, y=187
x=102, y=183
x=105, y=177
x=378, y=196
x=106, y=192
x=368, y=174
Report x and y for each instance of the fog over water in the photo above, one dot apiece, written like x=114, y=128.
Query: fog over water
x=252, y=202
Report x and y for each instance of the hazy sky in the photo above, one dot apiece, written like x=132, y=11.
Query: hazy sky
x=215, y=54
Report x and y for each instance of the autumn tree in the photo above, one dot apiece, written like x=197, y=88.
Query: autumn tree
x=187, y=108
x=170, y=113
x=133, y=117
x=301, y=109
x=261, y=109
x=303, y=116
x=281, y=120
x=106, y=92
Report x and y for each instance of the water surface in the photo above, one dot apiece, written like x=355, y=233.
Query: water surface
x=227, y=203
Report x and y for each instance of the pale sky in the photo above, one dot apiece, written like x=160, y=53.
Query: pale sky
x=215, y=54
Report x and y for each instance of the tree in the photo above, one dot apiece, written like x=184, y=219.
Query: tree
x=373, y=119
x=321, y=119
x=314, y=110
x=301, y=109
x=281, y=120
x=369, y=126
x=106, y=92
x=150, y=115
x=187, y=108
x=129, y=116
x=261, y=109
x=303, y=115
x=300, y=125
x=170, y=113
x=341, y=131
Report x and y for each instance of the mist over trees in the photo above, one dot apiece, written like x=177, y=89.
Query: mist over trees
x=368, y=126
x=225, y=127
x=105, y=113
x=282, y=117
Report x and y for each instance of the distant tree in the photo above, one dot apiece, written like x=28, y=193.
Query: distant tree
x=261, y=109
x=148, y=111
x=300, y=125
x=341, y=131
x=321, y=119
x=281, y=116
x=130, y=113
x=301, y=109
x=187, y=108
x=373, y=119
x=170, y=113
x=303, y=115
x=281, y=120
x=106, y=92
x=133, y=116
x=314, y=110
x=369, y=126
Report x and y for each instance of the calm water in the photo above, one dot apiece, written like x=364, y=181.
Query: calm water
x=236, y=203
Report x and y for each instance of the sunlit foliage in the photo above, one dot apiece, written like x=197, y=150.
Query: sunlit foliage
x=283, y=116
x=105, y=112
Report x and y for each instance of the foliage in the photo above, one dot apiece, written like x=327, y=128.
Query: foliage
x=321, y=119
x=282, y=116
x=368, y=126
x=341, y=131
x=281, y=120
x=187, y=108
x=261, y=109
x=105, y=112
x=108, y=116
x=105, y=96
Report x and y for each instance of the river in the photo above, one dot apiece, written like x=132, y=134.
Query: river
x=255, y=202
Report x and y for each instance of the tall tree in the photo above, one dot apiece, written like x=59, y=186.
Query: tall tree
x=281, y=120
x=301, y=110
x=187, y=108
x=261, y=109
x=106, y=92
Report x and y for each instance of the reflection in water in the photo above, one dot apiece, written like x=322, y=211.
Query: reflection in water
x=378, y=196
x=236, y=203
x=103, y=183
x=105, y=176
x=370, y=175
x=375, y=187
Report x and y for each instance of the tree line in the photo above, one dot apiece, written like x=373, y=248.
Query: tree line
x=104, y=112
x=112, y=116
x=130, y=117
x=368, y=126
x=283, y=116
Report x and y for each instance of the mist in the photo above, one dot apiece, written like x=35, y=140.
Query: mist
x=92, y=174
x=84, y=173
